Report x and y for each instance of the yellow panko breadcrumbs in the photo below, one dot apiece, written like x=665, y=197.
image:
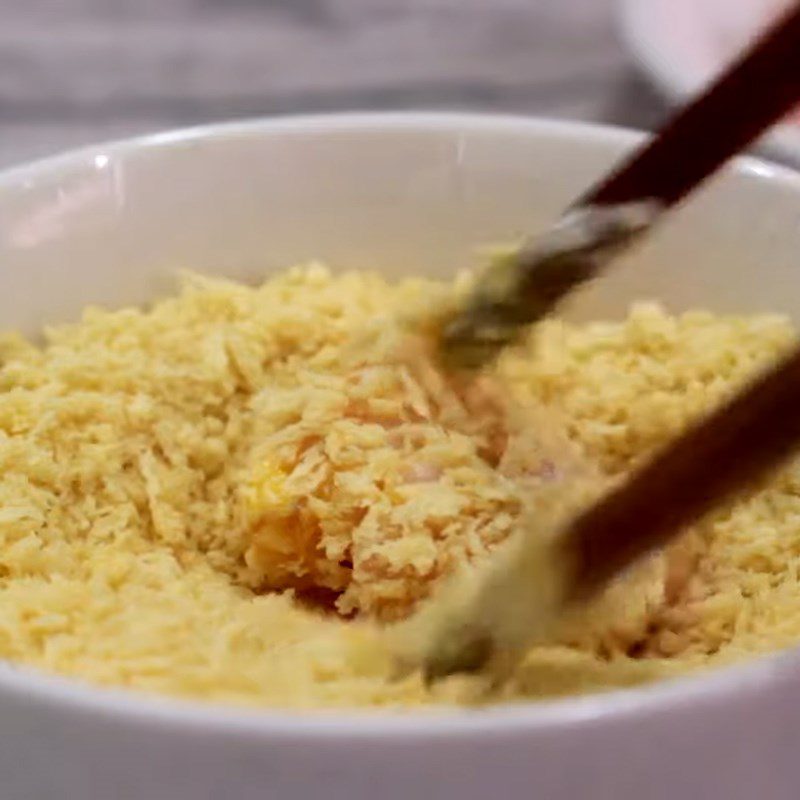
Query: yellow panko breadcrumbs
x=228, y=495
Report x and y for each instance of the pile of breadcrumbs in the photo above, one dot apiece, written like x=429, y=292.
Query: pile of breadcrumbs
x=226, y=495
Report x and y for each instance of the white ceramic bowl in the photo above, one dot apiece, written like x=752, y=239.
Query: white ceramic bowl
x=398, y=192
x=683, y=44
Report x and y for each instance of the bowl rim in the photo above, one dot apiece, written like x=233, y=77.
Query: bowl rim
x=356, y=121
x=699, y=691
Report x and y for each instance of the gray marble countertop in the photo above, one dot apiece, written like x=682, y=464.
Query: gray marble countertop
x=77, y=71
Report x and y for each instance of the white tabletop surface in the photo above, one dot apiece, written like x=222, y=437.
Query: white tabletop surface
x=74, y=72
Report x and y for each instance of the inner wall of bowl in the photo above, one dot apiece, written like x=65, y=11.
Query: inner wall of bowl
x=414, y=194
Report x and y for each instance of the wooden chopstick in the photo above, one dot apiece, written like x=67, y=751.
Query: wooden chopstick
x=719, y=457
x=725, y=454
x=754, y=93
x=757, y=90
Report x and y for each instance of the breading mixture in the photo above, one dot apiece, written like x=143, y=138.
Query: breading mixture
x=228, y=495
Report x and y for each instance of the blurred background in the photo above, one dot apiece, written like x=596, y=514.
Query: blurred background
x=74, y=72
